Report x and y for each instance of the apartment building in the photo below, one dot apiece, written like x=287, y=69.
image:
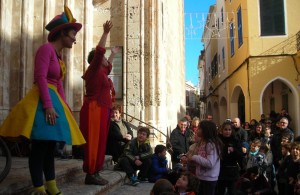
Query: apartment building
x=256, y=70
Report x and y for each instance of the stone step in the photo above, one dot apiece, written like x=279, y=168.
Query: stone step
x=69, y=176
x=77, y=186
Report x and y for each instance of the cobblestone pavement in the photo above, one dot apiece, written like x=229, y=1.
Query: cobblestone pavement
x=126, y=189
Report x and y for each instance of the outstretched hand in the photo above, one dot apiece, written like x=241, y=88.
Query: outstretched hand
x=107, y=26
x=115, y=50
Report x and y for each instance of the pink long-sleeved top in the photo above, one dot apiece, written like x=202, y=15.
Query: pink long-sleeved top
x=47, y=70
x=208, y=162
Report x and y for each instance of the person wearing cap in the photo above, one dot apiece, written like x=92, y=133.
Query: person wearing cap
x=43, y=115
x=96, y=109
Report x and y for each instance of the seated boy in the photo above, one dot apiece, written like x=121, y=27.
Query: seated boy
x=252, y=182
x=137, y=156
x=159, y=164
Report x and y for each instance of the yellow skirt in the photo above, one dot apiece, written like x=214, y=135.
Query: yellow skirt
x=27, y=119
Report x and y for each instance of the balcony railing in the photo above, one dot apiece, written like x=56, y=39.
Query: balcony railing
x=288, y=46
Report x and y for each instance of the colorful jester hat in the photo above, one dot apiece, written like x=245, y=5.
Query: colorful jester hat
x=62, y=21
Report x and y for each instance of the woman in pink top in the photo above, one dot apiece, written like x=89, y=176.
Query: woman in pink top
x=43, y=115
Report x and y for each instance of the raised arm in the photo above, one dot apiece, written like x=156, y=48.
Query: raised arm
x=106, y=29
x=114, y=51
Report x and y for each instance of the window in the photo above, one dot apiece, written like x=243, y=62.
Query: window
x=231, y=39
x=240, y=26
x=223, y=57
x=272, y=17
x=116, y=74
x=214, y=67
x=222, y=17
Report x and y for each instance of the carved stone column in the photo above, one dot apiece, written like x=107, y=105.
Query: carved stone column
x=134, y=62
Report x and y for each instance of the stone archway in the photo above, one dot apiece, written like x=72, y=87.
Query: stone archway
x=209, y=109
x=216, y=114
x=237, y=104
x=223, y=110
x=277, y=94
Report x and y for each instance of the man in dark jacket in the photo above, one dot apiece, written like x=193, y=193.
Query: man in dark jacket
x=277, y=138
x=239, y=132
x=241, y=135
x=181, y=139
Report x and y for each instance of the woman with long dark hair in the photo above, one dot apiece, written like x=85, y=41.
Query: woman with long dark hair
x=208, y=157
x=231, y=155
x=258, y=133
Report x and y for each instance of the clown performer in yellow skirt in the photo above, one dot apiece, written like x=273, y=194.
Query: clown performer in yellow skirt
x=43, y=115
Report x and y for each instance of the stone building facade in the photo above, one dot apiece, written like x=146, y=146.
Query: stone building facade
x=151, y=84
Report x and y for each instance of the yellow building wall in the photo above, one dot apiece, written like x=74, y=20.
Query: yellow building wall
x=237, y=66
x=263, y=71
x=258, y=62
x=240, y=53
x=236, y=81
x=258, y=44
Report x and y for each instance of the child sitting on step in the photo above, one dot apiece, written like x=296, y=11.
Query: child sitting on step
x=137, y=156
x=159, y=164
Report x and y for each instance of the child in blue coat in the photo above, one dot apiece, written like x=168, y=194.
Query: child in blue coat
x=159, y=164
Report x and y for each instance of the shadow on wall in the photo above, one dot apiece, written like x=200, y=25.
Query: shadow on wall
x=16, y=65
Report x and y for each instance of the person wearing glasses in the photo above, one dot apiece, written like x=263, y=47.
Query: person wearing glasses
x=277, y=140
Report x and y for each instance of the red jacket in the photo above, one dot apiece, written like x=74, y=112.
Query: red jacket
x=98, y=85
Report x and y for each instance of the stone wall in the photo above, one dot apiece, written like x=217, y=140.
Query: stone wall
x=151, y=33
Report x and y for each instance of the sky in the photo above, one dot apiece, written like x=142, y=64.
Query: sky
x=194, y=18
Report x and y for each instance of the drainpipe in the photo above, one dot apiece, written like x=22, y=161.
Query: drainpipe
x=248, y=86
x=125, y=57
x=142, y=61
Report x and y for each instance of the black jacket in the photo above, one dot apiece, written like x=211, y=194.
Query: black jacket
x=180, y=143
x=132, y=149
x=229, y=169
x=276, y=144
x=115, y=141
x=241, y=134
